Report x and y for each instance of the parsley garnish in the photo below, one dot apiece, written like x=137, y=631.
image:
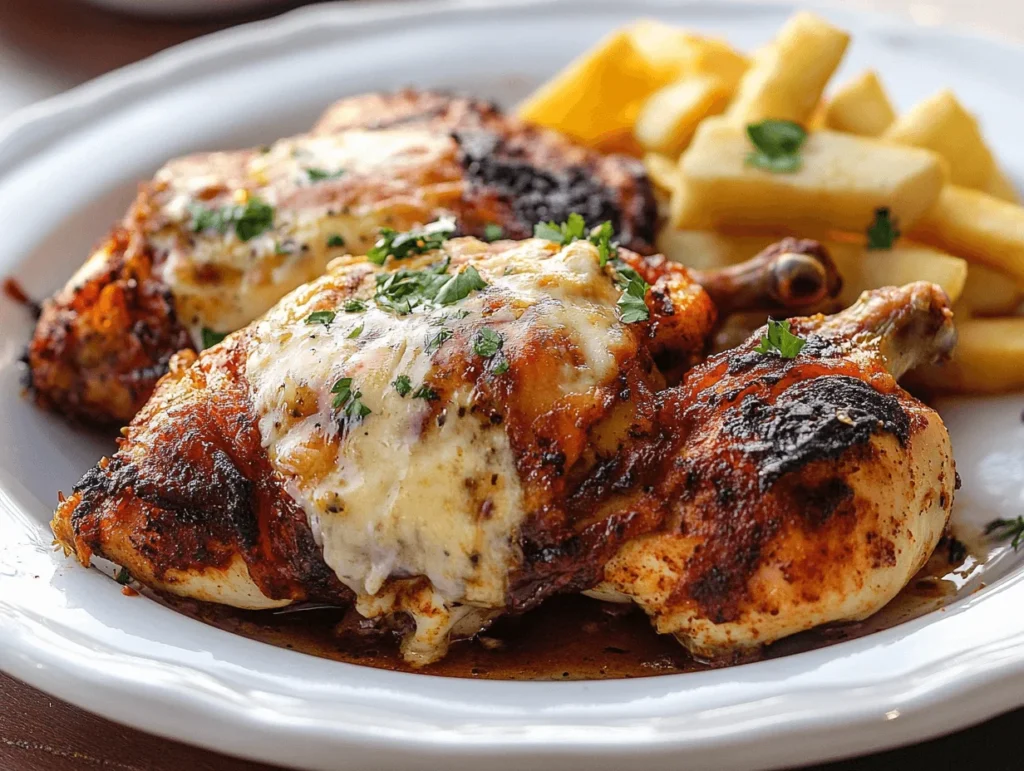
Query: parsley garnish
x=321, y=317
x=123, y=577
x=575, y=229
x=319, y=175
x=438, y=339
x=487, y=342
x=777, y=144
x=349, y=400
x=493, y=232
x=632, y=306
x=403, y=290
x=501, y=367
x=459, y=286
x=1004, y=529
x=780, y=340
x=211, y=338
x=354, y=306
x=248, y=221
x=415, y=241
x=403, y=385
x=356, y=332
x=334, y=241
x=883, y=231
x=426, y=392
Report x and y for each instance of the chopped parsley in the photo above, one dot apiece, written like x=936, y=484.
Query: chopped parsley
x=356, y=332
x=211, y=338
x=780, y=340
x=348, y=399
x=883, y=230
x=319, y=175
x=632, y=306
x=501, y=366
x=334, y=241
x=354, y=306
x=435, y=341
x=123, y=577
x=321, y=317
x=459, y=286
x=777, y=145
x=575, y=229
x=248, y=221
x=493, y=232
x=1006, y=529
x=426, y=392
x=487, y=342
x=403, y=385
x=416, y=241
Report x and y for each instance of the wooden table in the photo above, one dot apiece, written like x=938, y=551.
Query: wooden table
x=39, y=57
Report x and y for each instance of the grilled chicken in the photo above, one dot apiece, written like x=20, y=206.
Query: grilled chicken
x=803, y=491
x=441, y=461
x=214, y=240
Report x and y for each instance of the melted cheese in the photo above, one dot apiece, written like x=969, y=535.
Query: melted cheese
x=222, y=282
x=421, y=489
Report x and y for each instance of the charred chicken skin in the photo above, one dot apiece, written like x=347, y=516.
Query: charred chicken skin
x=215, y=240
x=464, y=433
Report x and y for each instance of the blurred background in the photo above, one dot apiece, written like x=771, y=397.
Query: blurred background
x=47, y=46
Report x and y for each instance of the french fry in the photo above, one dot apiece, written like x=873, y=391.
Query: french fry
x=1001, y=186
x=663, y=171
x=597, y=98
x=860, y=268
x=665, y=46
x=860, y=107
x=988, y=358
x=976, y=226
x=989, y=292
x=668, y=119
x=940, y=123
x=786, y=79
x=842, y=181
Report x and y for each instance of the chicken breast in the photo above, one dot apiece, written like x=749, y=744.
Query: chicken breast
x=215, y=240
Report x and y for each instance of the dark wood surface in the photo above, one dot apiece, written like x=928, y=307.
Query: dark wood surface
x=71, y=43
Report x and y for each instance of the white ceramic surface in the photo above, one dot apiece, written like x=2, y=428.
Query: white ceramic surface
x=68, y=168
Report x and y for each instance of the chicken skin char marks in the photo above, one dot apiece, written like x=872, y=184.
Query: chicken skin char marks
x=437, y=457
x=214, y=240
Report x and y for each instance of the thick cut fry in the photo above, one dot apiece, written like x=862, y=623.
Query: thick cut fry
x=860, y=107
x=1001, y=186
x=787, y=78
x=663, y=171
x=978, y=227
x=665, y=46
x=861, y=269
x=988, y=358
x=942, y=124
x=597, y=97
x=989, y=292
x=669, y=118
x=842, y=181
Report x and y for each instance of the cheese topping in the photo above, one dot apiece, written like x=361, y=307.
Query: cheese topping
x=330, y=196
x=421, y=488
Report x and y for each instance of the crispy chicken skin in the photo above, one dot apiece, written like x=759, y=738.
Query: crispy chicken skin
x=805, y=491
x=559, y=458
x=380, y=160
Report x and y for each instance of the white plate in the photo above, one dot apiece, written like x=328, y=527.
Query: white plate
x=68, y=168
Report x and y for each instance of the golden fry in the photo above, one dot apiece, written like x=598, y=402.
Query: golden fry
x=860, y=107
x=669, y=118
x=989, y=292
x=786, y=79
x=988, y=358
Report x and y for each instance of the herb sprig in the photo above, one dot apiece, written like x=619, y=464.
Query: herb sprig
x=1007, y=529
x=248, y=221
x=349, y=399
x=416, y=241
x=777, y=145
x=883, y=230
x=211, y=337
x=779, y=340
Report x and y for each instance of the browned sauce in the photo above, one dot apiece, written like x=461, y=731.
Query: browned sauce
x=568, y=638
